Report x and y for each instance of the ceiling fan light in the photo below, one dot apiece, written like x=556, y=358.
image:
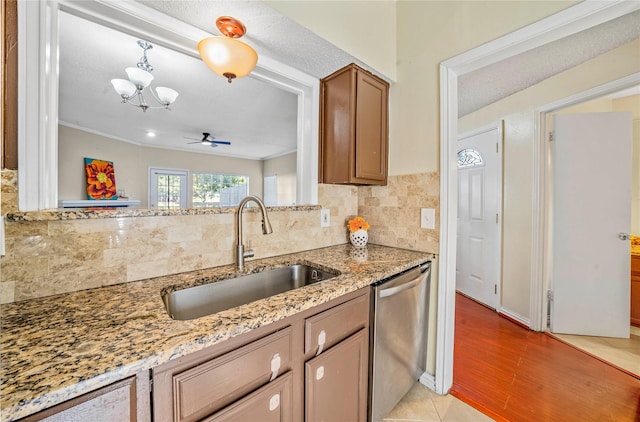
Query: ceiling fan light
x=140, y=78
x=228, y=57
x=166, y=95
x=123, y=87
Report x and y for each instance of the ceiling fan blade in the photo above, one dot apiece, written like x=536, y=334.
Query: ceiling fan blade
x=221, y=142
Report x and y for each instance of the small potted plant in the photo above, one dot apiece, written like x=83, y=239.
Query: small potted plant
x=358, y=231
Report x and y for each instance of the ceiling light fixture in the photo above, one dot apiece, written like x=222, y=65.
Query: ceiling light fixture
x=227, y=56
x=140, y=77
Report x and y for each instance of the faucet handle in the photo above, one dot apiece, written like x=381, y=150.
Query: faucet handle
x=248, y=253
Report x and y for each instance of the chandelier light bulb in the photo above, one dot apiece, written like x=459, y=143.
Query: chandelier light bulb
x=140, y=78
x=123, y=87
x=166, y=95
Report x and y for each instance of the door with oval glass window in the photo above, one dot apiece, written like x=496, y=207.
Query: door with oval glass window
x=478, y=256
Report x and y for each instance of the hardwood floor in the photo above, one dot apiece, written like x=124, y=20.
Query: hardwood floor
x=513, y=374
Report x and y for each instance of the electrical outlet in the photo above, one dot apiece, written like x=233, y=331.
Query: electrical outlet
x=325, y=217
x=427, y=218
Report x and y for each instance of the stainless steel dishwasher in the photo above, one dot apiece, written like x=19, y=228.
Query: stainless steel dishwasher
x=398, y=337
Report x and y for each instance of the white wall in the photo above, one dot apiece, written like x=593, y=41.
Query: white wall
x=131, y=163
x=430, y=32
x=284, y=167
x=364, y=29
x=517, y=111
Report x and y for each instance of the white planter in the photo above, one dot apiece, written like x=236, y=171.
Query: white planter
x=359, y=238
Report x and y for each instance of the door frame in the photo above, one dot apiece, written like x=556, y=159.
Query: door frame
x=499, y=126
x=574, y=19
x=541, y=285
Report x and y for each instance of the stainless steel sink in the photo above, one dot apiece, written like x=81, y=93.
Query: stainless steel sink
x=198, y=301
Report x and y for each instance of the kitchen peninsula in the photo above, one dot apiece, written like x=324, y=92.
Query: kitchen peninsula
x=60, y=347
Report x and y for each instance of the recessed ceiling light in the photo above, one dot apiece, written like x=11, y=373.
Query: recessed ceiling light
x=151, y=134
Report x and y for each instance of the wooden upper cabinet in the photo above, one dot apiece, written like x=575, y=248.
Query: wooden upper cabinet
x=354, y=134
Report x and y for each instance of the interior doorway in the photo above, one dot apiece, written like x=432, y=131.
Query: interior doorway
x=624, y=352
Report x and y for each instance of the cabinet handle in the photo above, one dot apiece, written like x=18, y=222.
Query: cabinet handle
x=319, y=373
x=322, y=338
x=275, y=366
x=274, y=402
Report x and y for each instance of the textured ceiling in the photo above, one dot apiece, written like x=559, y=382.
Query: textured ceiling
x=271, y=33
x=492, y=83
x=259, y=119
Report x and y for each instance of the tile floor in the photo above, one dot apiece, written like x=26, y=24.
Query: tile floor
x=622, y=352
x=423, y=405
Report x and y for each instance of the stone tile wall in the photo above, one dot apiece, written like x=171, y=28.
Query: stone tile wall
x=393, y=211
x=51, y=257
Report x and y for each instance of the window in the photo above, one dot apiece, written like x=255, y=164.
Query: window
x=270, y=190
x=167, y=188
x=470, y=157
x=218, y=190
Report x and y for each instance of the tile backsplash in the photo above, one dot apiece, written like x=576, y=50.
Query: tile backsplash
x=394, y=211
x=50, y=257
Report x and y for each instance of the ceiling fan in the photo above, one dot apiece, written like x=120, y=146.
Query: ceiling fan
x=207, y=139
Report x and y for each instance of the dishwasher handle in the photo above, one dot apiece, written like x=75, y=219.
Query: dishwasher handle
x=391, y=291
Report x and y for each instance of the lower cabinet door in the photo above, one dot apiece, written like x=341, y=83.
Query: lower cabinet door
x=115, y=402
x=336, y=382
x=271, y=403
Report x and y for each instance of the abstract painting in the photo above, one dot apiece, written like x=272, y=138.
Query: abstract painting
x=101, y=179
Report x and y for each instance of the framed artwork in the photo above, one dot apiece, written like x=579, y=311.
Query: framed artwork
x=101, y=179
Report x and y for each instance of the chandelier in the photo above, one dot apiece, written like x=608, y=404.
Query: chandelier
x=227, y=56
x=132, y=90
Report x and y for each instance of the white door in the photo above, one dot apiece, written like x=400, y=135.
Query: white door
x=591, y=205
x=479, y=202
x=168, y=188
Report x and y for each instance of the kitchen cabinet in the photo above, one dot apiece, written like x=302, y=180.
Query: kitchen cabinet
x=635, y=290
x=354, y=137
x=125, y=400
x=336, y=368
x=336, y=382
x=261, y=375
x=271, y=403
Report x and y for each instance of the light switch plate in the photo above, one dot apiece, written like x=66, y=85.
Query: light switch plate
x=325, y=217
x=428, y=218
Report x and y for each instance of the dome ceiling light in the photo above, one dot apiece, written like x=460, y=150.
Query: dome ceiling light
x=140, y=77
x=226, y=55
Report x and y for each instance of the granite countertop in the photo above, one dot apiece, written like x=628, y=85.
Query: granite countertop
x=59, y=347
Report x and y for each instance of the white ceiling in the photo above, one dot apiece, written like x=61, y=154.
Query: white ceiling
x=259, y=120
x=492, y=83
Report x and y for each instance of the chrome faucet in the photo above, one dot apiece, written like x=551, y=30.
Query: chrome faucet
x=241, y=254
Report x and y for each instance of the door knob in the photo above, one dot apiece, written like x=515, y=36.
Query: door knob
x=623, y=236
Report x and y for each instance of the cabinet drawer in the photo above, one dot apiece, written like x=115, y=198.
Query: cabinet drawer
x=271, y=403
x=210, y=386
x=336, y=324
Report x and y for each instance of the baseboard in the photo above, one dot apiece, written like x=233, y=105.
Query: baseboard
x=515, y=318
x=428, y=381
